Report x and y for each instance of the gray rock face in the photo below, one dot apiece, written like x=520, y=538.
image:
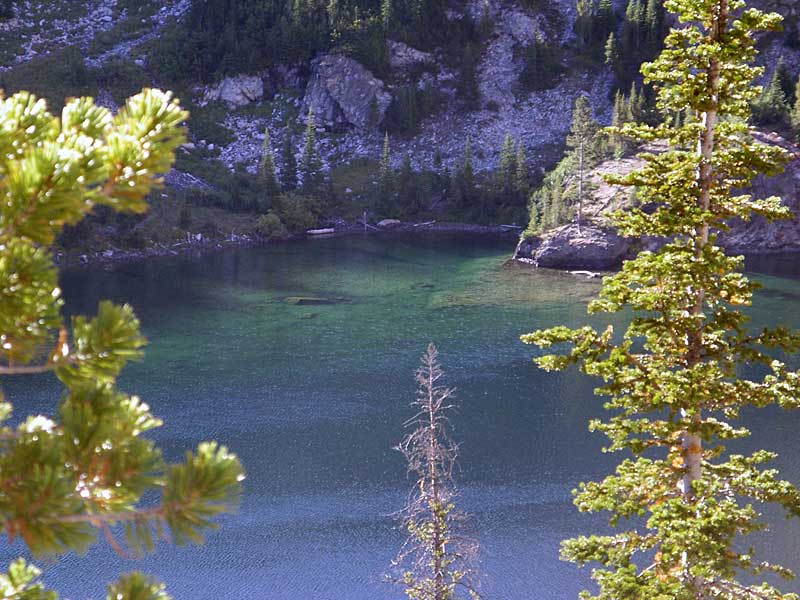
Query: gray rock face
x=403, y=57
x=235, y=91
x=569, y=247
x=340, y=91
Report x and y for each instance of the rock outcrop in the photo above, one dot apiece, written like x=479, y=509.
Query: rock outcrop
x=235, y=91
x=573, y=247
x=344, y=95
x=597, y=246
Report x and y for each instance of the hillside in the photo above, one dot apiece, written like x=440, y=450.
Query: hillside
x=480, y=71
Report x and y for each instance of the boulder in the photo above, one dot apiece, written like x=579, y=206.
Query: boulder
x=403, y=57
x=570, y=247
x=389, y=224
x=235, y=91
x=342, y=94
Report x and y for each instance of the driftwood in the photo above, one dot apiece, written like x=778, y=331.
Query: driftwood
x=589, y=274
x=326, y=231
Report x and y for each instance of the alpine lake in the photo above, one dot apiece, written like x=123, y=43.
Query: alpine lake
x=300, y=357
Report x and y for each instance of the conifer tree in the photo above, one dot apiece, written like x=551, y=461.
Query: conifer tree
x=266, y=173
x=437, y=560
x=673, y=378
x=786, y=81
x=289, y=166
x=386, y=14
x=85, y=470
x=582, y=140
x=795, y=116
x=310, y=165
x=521, y=172
x=385, y=178
x=584, y=21
x=507, y=165
x=462, y=186
x=771, y=107
x=613, y=56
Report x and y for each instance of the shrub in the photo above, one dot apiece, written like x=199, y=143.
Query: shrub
x=299, y=212
x=270, y=227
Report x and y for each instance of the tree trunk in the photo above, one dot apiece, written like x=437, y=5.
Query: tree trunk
x=692, y=445
x=580, y=188
x=435, y=501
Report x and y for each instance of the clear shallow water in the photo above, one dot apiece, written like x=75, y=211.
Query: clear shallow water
x=314, y=397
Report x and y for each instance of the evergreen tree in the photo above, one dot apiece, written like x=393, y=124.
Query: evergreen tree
x=386, y=14
x=521, y=172
x=584, y=21
x=385, y=179
x=462, y=186
x=468, y=89
x=91, y=467
x=771, y=107
x=507, y=165
x=605, y=20
x=289, y=167
x=786, y=80
x=266, y=173
x=674, y=378
x=795, y=117
x=613, y=54
x=582, y=140
x=437, y=560
x=310, y=164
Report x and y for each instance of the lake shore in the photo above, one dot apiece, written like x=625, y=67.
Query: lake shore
x=199, y=244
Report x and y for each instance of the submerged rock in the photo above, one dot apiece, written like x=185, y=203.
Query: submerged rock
x=312, y=301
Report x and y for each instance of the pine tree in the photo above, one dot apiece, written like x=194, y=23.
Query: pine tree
x=468, y=88
x=584, y=21
x=674, y=378
x=437, y=560
x=507, y=164
x=582, y=140
x=771, y=107
x=289, y=167
x=521, y=172
x=795, y=116
x=786, y=81
x=92, y=466
x=463, y=181
x=386, y=14
x=310, y=164
x=613, y=55
x=385, y=178
x=266, y=173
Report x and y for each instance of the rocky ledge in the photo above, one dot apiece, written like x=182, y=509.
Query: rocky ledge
x=596, y=245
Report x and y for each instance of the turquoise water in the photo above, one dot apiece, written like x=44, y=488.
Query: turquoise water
x=313, y=398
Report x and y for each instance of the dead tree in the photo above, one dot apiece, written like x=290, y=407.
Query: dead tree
x=437, y=560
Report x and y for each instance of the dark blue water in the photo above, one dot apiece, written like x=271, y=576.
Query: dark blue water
x=313, y=398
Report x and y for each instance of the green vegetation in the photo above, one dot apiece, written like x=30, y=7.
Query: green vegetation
x=674, y=378
x=89, y=468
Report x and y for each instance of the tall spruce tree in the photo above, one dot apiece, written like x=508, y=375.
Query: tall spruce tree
x=289, y=163
x=674, y=378
x=266, y=173
x=795, y=117
x=385, y=178
x=310, y=164
x=507, y=165
x=90, y=468
x=771, y=108
x=582, y=141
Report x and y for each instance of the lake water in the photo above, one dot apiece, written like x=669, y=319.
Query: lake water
x=313, y=398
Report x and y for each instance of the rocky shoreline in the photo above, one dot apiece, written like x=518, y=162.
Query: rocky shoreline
x=201, y=245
